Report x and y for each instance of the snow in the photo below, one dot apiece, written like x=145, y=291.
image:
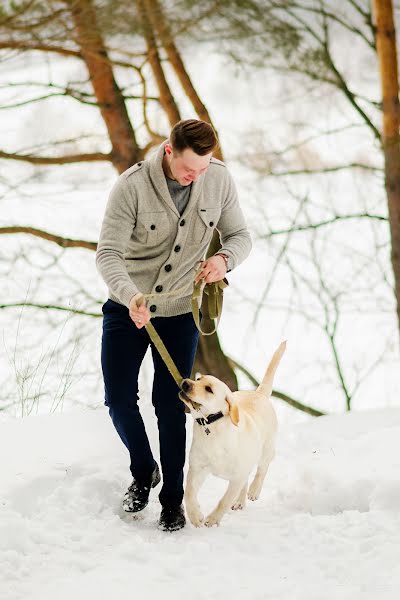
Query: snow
x=326, y=525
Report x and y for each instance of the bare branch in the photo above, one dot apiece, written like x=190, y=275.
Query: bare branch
x=60, y=160
x=334, y=219
x=294, y=403
x=337, y=19
x=51, y=237
x=74, y=311
x=332, y=169
x=26, y=46
x=70, y=93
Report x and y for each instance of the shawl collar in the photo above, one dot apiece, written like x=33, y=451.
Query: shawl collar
x=157, y=177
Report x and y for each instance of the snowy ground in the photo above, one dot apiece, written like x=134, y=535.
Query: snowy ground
x=326, y=526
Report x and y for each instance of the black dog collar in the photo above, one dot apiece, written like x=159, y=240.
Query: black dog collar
x=210, y=418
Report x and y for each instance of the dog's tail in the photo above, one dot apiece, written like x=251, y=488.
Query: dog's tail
x=265, y=386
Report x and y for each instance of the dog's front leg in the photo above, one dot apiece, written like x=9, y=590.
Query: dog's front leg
x=240, y=501
x=225, y=503
x=195, y=480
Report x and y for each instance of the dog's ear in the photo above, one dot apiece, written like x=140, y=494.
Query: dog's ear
x=233, y=410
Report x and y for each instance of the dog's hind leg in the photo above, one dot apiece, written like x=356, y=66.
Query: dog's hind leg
x=257, y=483
x=226, y=501
x=240, y=502
x=195, y=480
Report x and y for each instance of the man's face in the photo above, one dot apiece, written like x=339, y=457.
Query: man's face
x=186, y=166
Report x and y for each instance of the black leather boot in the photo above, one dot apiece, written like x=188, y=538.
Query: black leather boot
x=137, y=496
x=172, y=518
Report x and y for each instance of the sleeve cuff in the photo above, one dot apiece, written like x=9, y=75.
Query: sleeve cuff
x=127, y=294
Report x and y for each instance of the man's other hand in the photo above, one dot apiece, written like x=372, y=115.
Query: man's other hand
x=212, y=269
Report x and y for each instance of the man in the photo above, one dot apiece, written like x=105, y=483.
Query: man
x=157, y=226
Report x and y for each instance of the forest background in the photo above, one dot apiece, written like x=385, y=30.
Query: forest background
x=294, y=89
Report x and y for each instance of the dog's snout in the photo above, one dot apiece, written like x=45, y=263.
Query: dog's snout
x=186, y=385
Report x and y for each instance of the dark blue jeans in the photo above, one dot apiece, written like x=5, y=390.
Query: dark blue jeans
x=122, y=352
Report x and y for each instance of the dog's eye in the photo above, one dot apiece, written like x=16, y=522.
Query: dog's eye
x=208, y=389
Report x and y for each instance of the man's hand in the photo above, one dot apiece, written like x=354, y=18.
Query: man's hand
x=140, y=315
x=212, y=269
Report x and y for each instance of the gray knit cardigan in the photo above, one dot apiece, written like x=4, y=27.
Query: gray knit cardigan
x=146, y=245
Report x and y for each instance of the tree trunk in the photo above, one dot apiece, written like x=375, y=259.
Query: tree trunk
x=210, y=357
x=161, y=26
x=387, y=55
x=125, y=150
x=167, y=100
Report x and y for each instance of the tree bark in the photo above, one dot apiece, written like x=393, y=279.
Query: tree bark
x=387, y=55
x=125, y=150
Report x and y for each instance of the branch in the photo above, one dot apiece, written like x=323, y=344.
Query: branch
x=26, y=46
x=23, y=8
x=13, y=25
x=294, y=403
x=331, y=328
x=51, y=237
x=332, y=169
x=335, y=17
x=75, y=311
x=367, y=16
x=310, y=226
x=352, y=97
x=60, y=160
x=75, y=95
x=310, y=138
x=339, y=80
x=69, y=93
x=155, y=138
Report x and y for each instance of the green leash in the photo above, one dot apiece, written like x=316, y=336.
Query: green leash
x=212, y=310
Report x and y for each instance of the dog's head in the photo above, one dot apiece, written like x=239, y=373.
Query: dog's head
x=208, y=395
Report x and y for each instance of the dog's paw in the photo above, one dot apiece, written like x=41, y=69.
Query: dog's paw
x=238, y=505
x=253, y=495
x=212, y=521
x=196, y=519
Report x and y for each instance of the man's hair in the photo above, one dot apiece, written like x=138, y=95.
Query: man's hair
x=199, y=136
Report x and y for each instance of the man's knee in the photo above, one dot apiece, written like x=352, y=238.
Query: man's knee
x=121, y=400
x=168, y=405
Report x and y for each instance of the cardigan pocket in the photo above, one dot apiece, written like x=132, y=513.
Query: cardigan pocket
x=205, y=221
x=152, y=227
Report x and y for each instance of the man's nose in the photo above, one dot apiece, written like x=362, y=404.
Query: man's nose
x=186, y=385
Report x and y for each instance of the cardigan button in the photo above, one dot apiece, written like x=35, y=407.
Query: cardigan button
x=211, y=223
x=152, y=227
x=177, y=248
x=182, y=223
x=159, y=288
x=153, y=308
x=168, y=268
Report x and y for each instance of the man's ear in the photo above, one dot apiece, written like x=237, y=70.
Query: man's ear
x=233, y=410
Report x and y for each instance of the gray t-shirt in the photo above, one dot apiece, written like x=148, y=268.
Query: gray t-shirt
x=179, y=193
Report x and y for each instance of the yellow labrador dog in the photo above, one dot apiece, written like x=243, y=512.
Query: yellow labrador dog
x=232, y=433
